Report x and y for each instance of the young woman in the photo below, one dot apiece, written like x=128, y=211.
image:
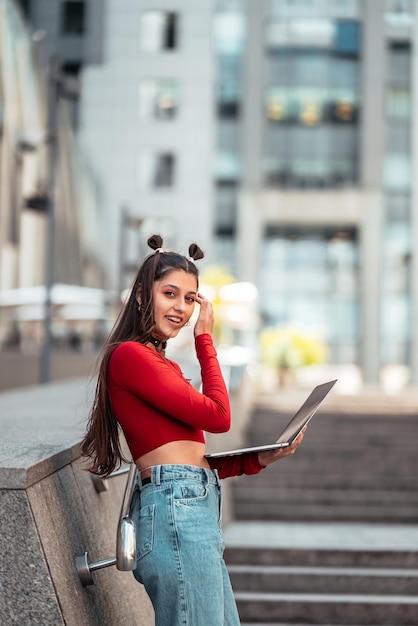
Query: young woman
x=177, y=505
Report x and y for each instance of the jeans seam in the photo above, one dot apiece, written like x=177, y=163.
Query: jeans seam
x=180, y=568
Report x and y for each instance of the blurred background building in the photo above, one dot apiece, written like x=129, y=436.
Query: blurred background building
x=278, y=133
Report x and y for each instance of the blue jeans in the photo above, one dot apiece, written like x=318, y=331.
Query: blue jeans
x=180, y=547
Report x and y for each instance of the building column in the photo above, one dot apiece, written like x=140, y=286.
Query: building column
x=249, y=236
x=414, y=205
x=370, y=293
x=253, y=116
x=372, y=143
x=372, y=139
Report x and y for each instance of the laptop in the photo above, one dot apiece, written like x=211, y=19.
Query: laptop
x=296, y=424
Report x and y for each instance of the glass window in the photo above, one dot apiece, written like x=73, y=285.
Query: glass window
x=311, y=106
x=228, y=89
x=158, y=99
x=286, y=8
x=159, y=31
x=342, y=36
x=397, y=172
x=229, y=32
x=321, y=142
x=227, y=166
x=226, y=205
x=228, y=136
x=396, y=320
x=344, y=72
x=398, y=138
x=313, y=69
x=73, y=18
x=399, y=13
x=310, y=278
x=399, y=64
x=398, y=103
x=224, y=244
x=398, y=206
x=156, y=170
x=347, y=37
x=299, y=32
x=314, y=173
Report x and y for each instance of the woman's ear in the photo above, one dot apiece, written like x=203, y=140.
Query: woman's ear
x=138, y=295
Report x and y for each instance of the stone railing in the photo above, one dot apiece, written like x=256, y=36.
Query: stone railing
x=51, y=511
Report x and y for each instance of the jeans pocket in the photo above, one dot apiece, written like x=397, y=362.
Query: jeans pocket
x=145, y=531
x=189, y=493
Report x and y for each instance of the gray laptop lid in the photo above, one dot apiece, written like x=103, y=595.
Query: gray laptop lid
x=293, y=428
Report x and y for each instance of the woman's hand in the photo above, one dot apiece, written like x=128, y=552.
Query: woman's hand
x=270, y=456
x=205, y=320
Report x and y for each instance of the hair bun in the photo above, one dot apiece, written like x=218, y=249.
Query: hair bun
x=195, y=252
x=155, y=242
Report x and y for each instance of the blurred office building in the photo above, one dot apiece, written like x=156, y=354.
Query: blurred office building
x=48, y=202
x=278, y=133
x=315, y=156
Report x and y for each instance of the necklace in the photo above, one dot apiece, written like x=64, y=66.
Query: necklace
x=157, y=343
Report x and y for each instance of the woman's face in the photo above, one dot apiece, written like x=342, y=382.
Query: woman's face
x=174, y=298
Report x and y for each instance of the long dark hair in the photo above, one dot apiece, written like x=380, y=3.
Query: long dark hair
x=101, y=441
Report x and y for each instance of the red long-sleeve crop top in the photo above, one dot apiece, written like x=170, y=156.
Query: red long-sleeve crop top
x=155, y=404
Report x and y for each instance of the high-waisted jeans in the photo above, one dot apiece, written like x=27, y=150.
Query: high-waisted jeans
x=180, y=547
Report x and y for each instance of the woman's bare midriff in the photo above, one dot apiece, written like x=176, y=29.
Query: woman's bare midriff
x=175, y=453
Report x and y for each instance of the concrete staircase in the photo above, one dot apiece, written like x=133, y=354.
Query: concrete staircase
x=330, y=535
x=354, y=466
x=324, y=586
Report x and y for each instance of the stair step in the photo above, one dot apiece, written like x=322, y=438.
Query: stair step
x=312, y=557
x=300, y=493
x=315, y=480
x=316, y=579
x=282, y=511
x=328, y=609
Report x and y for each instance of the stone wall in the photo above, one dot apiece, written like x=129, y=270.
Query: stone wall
x=50, y=512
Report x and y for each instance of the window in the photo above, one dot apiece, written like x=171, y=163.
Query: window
x=158, y=99
x=72, y=68
x=311, y=106
x=398, y=206
x=73, y=18
x=226, y=205
x=399, y=63
x=309, y=172
x=228, y=89
x=229, y=33
x=227, y=166
x=164, y=170
x=397, y=172
x=157, y=170
x=399, y=103
x=159, y=31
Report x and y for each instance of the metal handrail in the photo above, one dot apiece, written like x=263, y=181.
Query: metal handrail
x=125, y=538
x=125, y=559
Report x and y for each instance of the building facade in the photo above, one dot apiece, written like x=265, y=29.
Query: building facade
x=322, y=210
x=279, y=133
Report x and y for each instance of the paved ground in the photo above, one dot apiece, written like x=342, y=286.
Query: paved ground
x=322, y=535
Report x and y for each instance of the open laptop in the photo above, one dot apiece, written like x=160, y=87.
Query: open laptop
x=298, y=421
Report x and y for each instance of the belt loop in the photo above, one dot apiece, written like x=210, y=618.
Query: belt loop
x=157, y=473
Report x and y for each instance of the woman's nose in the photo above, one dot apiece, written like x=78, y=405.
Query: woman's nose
x=179, y=305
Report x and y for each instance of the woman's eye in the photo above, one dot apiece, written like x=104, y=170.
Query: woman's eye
x=190, y=299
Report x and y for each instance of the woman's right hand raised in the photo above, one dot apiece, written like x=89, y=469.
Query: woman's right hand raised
x=205, y=320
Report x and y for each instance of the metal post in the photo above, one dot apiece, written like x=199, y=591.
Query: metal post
x=122, y=250
x=53, y=93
